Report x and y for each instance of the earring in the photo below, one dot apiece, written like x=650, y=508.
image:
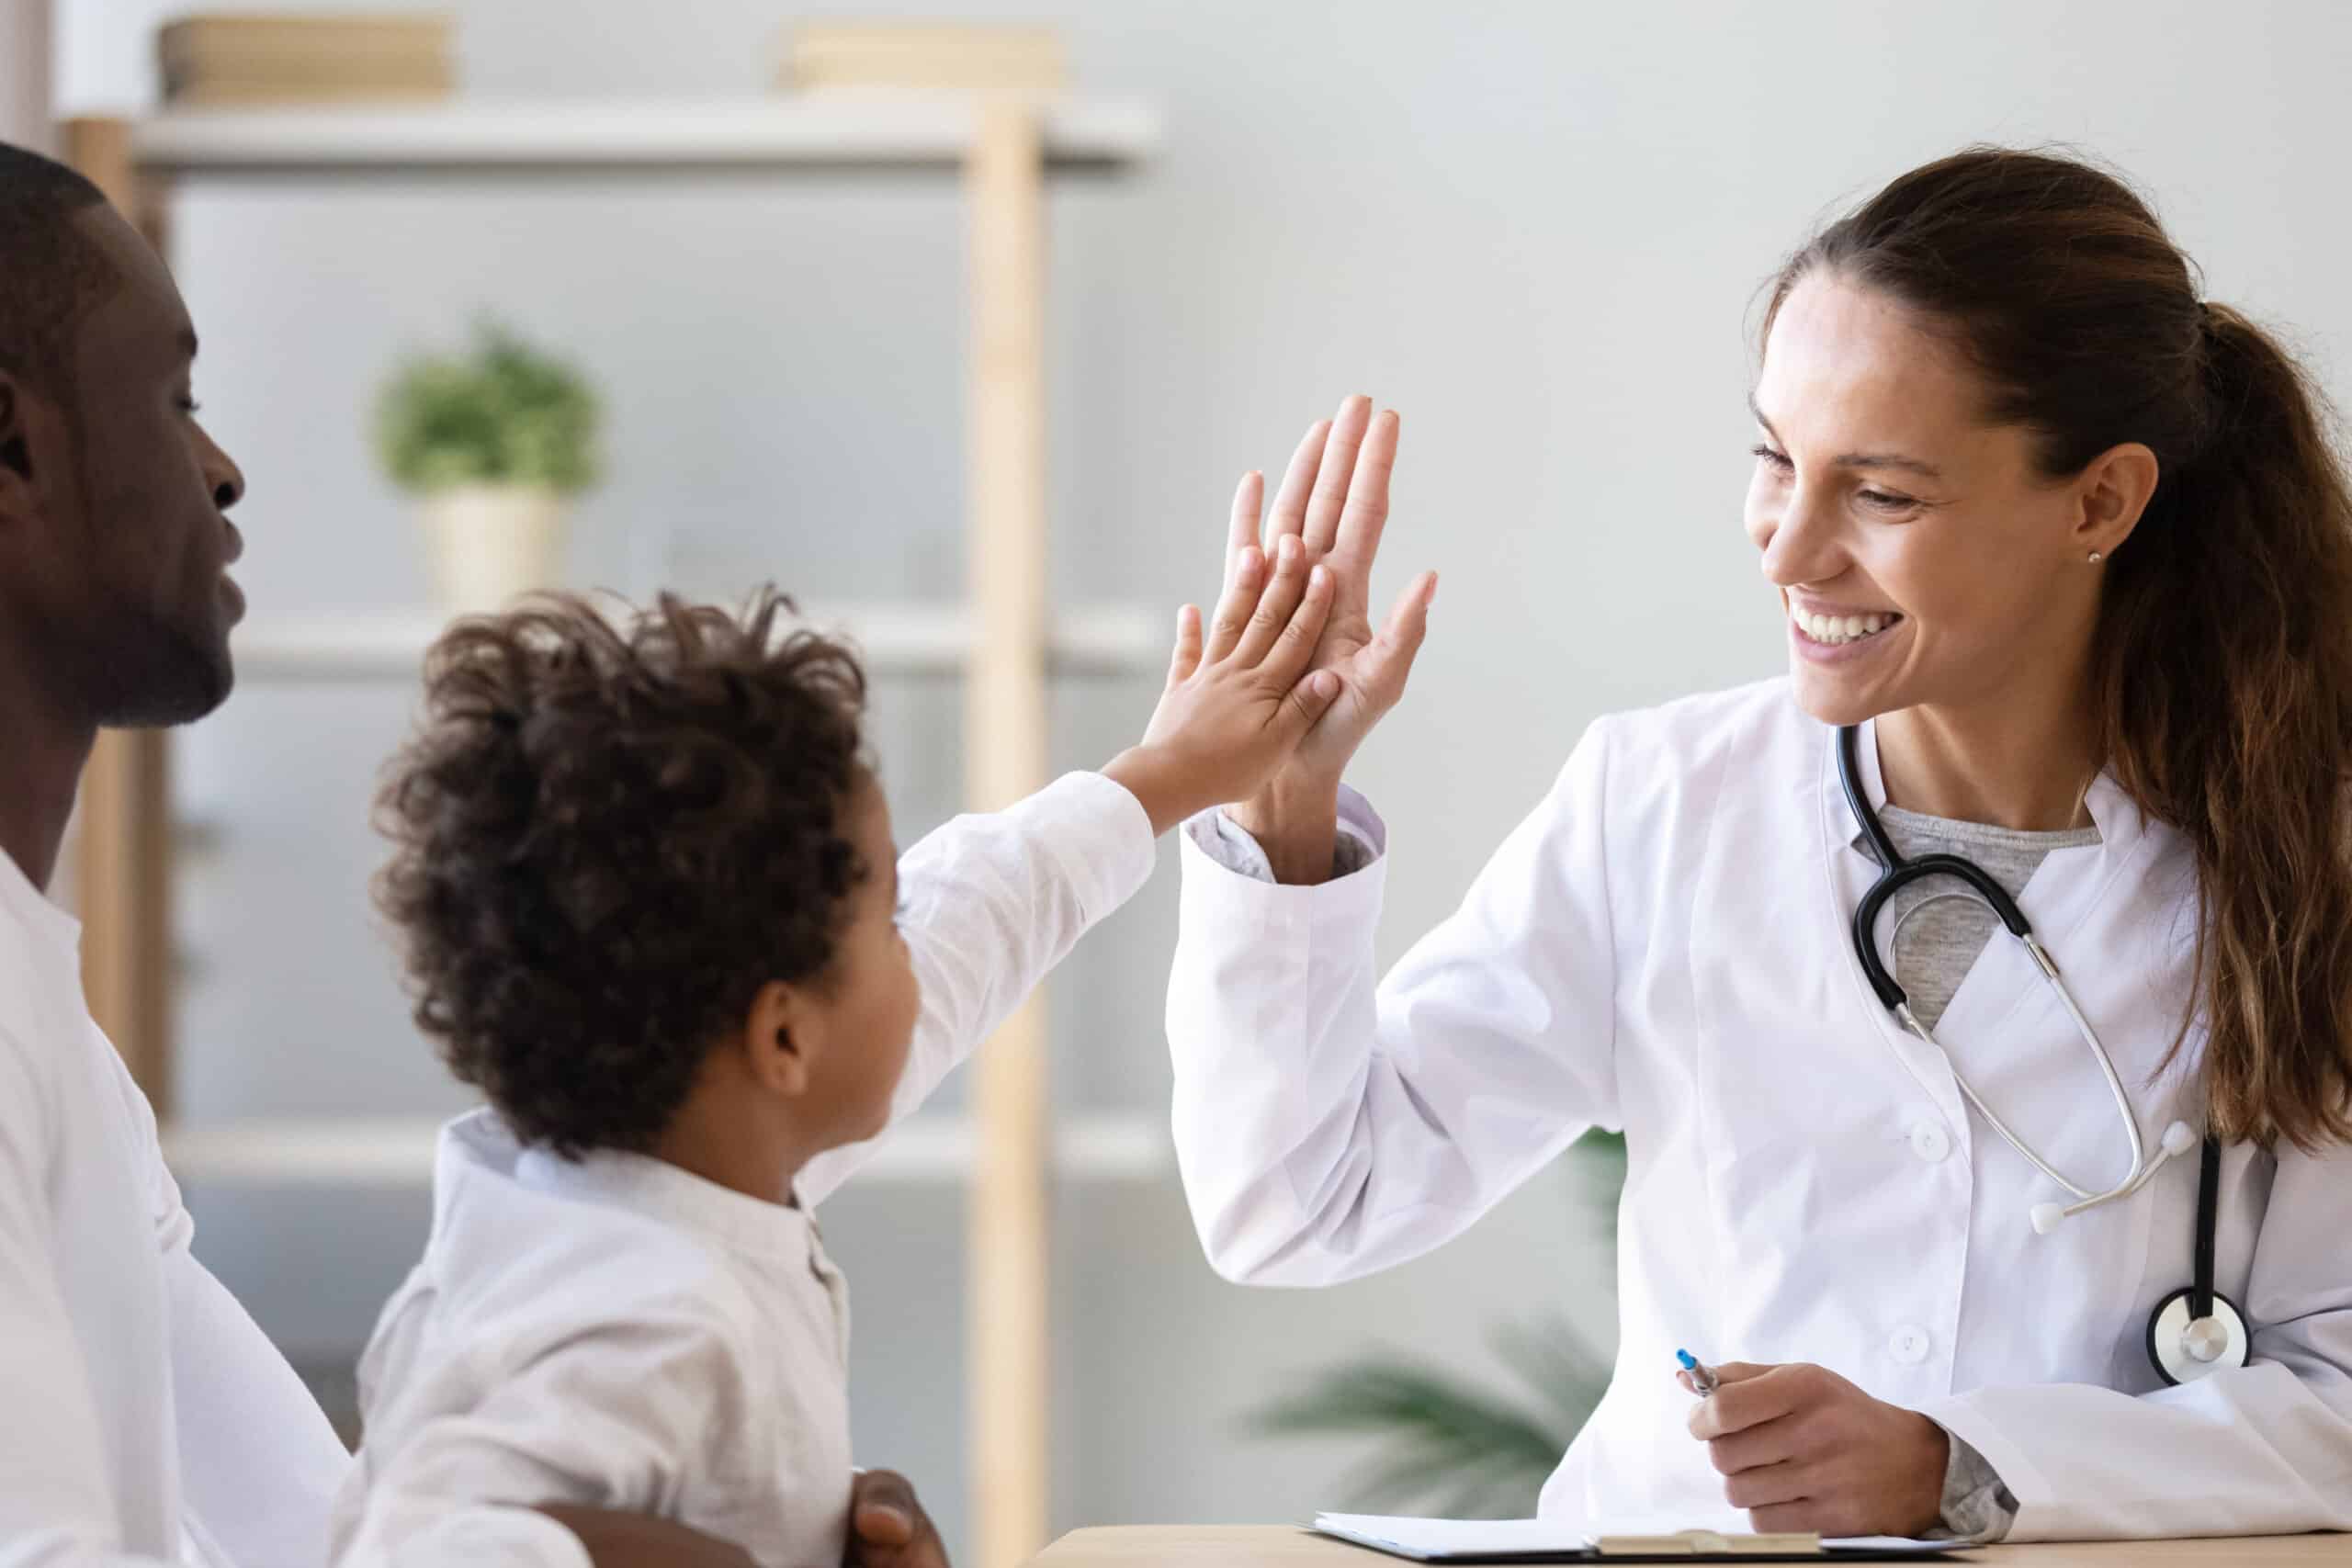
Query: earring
x=2095, y=558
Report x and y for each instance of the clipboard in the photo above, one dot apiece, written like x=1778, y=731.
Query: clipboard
x=1463, y=1541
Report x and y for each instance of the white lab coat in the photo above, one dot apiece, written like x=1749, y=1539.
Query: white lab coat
x=1664, y=947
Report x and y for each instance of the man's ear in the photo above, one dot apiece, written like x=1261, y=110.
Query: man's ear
x=15, y=442
x=782, y=1035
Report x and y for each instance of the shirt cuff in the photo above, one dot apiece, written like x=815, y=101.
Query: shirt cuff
x=1224, y=841
x=1976, y=1508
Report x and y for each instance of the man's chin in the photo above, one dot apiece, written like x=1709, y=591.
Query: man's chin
x=175, y=678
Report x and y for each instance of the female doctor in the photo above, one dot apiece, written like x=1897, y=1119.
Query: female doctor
x=2068, y=549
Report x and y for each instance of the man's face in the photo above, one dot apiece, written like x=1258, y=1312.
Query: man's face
x=118, y=560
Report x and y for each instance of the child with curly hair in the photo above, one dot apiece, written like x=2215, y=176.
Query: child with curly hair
x=652, y=908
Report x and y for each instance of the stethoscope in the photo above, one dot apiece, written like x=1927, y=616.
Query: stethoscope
x=2196, y=1329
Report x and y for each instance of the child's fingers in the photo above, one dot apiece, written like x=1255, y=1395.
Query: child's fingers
x=1187, y=656
x=1242, y=532
x=1288, y=658
x=1275, y=604
x=1233, y=609
x=1309, y=701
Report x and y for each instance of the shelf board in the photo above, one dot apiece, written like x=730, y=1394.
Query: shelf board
x=836, y=130
x=898, y=638
x=397, y=1152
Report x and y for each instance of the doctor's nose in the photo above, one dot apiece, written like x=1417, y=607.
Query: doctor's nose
x=1796, y=546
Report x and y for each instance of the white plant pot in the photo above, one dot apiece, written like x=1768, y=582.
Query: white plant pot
x=490, y=543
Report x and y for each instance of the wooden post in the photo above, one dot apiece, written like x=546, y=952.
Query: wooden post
x=1005, y=745
x=123, y=865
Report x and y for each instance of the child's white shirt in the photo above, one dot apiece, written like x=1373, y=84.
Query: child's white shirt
x=620, y=1333
x=615, y=1333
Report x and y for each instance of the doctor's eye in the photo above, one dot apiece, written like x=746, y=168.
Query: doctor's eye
x=1771, y=459
x=1885, y=501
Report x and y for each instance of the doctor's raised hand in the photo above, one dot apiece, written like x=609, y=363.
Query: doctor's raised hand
x=1334, y=502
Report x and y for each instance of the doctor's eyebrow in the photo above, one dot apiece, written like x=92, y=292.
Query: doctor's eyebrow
x=1856, y=459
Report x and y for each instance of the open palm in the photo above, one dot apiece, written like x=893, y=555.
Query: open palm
x=1334, y=496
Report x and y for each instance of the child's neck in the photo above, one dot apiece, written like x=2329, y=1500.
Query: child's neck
x=723, y=1138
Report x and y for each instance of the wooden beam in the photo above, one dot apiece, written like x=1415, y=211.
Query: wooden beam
x=123, y=856
x=1005, y=745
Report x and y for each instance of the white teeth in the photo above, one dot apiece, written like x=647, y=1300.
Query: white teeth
x=1835, y=630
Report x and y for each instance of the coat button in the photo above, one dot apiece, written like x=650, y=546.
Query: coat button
x=1909, y=1344
x=1929, y=1142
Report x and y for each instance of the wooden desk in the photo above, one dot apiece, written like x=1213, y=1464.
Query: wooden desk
x=1282, y=1546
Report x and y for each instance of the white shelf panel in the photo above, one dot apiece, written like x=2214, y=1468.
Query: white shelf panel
x=844, y=129
x=397, y=1152
x=897, y=638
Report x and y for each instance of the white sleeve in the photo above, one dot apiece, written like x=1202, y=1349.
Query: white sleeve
x=614, y=1417
x=991, y=904
x=57, y=1507
x=259, y=1464
x=2263, y=1448
x=1327, y=1128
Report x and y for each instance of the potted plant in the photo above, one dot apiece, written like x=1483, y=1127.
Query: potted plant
x=495, y=444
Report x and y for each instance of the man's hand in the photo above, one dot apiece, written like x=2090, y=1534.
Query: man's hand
x=1801, y=1448
x=1234, y=704
x=887, y=1529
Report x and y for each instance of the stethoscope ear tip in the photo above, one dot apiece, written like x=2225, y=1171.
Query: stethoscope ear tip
x=2046, y=1218
x=2179, y=1138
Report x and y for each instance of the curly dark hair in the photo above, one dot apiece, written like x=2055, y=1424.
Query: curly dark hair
x=607, y=838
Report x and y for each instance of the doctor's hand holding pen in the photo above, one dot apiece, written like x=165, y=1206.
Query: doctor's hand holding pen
x=1334, y=501
x=1802, y=1448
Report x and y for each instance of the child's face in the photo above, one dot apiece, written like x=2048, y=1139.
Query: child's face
x=874, y=999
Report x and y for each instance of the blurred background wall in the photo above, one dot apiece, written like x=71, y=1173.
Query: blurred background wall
x=1537, y=229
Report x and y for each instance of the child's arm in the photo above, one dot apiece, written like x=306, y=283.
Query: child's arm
x=612, y=1418
x=992, y=902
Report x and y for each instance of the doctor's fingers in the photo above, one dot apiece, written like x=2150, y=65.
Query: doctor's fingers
x=1391, y=654
x=1773, y=1442
x=1365, y=516
x=1773, y=1486
x=1187, y=656
x=1289, y=512
x=1748, y=1395
x=1241, y=528
x=1335, y=477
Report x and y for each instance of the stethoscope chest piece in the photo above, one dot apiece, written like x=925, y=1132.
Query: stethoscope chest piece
x=2185, y=1347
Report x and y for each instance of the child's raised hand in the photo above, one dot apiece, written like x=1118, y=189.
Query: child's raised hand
x=1238, y=700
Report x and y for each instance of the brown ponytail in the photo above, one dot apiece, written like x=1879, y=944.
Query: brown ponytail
x=2223, y=672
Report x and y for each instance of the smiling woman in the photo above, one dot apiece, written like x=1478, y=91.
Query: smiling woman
x=2067, y=563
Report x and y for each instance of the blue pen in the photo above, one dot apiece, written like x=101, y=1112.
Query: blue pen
x=1700, y=1378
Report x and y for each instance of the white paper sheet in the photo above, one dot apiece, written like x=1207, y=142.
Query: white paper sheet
x=1470, y=1539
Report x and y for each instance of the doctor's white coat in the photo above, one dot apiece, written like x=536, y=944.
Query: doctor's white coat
x=1664, y=947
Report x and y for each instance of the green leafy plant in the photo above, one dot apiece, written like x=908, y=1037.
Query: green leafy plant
x=1447, y=1447
x=506, y=414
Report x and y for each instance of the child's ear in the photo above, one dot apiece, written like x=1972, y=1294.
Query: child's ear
x=781, y=1037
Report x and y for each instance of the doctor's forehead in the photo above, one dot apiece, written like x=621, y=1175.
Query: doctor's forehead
x=1847, y=365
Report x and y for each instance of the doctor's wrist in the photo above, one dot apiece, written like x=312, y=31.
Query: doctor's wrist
x=1296, y=822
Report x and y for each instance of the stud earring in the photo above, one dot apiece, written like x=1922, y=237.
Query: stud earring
x=2095, y=558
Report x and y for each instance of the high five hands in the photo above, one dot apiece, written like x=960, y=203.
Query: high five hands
x=1266, y=706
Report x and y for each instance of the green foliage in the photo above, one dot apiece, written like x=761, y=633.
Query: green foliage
x=1448, y=1447
x=504, y=415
